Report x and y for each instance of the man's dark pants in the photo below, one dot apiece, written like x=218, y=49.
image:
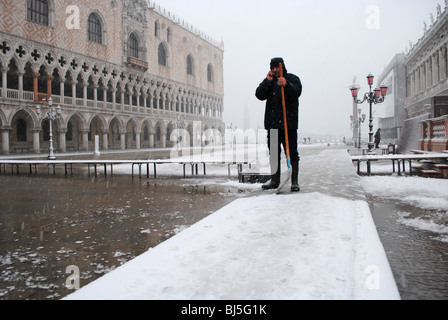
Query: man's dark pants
x=276, y=138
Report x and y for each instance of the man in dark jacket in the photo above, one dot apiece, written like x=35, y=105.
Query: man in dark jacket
x=377, y=138
x=270, y=91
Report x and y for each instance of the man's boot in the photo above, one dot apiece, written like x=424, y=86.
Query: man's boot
x=275, y=179
x=295, y=177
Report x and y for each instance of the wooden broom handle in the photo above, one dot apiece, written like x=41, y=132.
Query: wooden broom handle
x=284, y=114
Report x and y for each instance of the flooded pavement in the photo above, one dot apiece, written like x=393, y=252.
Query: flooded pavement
x=50, y=223
x=418, y=257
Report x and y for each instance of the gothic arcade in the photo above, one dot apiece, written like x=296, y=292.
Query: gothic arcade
x=131, y=73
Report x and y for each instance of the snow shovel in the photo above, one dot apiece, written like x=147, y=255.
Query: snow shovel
x=286, y=176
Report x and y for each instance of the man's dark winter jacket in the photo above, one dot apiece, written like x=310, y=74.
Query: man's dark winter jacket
x=271, y=92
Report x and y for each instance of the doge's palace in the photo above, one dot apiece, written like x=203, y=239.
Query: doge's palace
x=127, y=71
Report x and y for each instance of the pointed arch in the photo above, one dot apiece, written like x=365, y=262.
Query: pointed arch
x=134, y=45
x=190, y=65
x=210, y=73
x=96, y=28
x=163, y=55
x=116, y=127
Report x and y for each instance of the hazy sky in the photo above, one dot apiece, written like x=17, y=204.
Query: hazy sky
x=325, y=42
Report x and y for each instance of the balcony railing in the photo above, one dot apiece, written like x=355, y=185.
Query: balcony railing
x=86, y=104
x=434, y=134
x=138, y=63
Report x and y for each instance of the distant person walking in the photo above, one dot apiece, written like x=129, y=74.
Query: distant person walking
x=270, y=91
x=377, y=138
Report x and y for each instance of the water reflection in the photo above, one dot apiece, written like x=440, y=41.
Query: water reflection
x=50, y=223
x=418, y=258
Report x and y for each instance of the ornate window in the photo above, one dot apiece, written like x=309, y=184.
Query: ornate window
x=95, y=29
x=133, y=46
x=162, y=55
x=189, y=64
x=37, y=11
x=210, y=73
x=156, y=29
x=168, y=35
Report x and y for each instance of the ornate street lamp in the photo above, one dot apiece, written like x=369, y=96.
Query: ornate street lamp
x=378, y=95
x=356, y=123
x=51, y=115
x=179, y=125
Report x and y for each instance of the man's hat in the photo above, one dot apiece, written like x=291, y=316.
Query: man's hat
x=275, y=62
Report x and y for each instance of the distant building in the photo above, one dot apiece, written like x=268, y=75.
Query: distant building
x=427, y=71
x=427, y=87
x=419, y=83
x=127, y=71
x=391, y=114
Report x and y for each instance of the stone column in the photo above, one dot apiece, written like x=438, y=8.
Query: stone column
x=36, y=141
x=413, y=75
x=156, y=102
x=151, y=139
x=123, y=140
x=49, y=80
x=421, y=79
x=163, y=139
x=105, y=140
x=84, y=90
x=114, y=98
x=436, y=68
x=145, y=101
x=36, y=86
x=85, y=140
x=163, y=100
x=442, y=64
x=62, y=89
x=74, y=93
x=62, y=140
x=137, y=140
x=95, y=95
x=151, y=101
x=20, y=75
x=5, y=140
x=4, y=81
x=138, y=98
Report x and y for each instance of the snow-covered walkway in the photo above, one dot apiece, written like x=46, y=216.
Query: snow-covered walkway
x=318, y=244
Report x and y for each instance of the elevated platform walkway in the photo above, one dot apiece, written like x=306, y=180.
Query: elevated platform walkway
x=320, y=243
x=399, y=161
x=137, y=161
x=32, y=165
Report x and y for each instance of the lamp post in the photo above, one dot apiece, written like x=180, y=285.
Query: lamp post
x=179, y=125
x=378, y=95
x=51, y=115
x=356, y=124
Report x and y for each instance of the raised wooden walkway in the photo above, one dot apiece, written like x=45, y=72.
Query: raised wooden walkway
x=399, y=159
x=32, y=166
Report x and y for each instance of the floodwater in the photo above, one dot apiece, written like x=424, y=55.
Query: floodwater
x=418, y=258
x=50, y=223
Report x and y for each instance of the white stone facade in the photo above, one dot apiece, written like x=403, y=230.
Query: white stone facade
x=427, y=69
x=124, y=70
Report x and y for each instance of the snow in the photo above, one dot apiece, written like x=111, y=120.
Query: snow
x=430, y=195
x=318, y=244
x=434, y=194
